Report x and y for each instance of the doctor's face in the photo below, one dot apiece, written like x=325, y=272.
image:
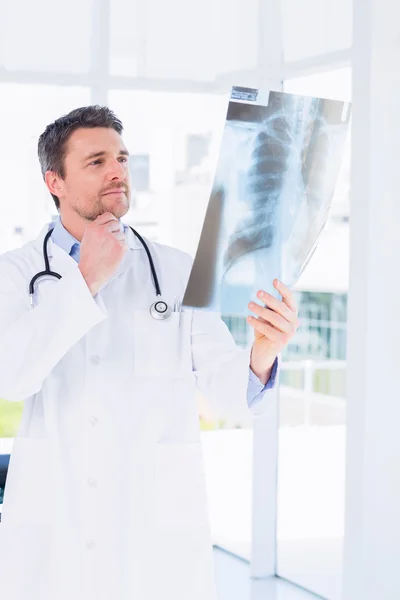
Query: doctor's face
x=96, y=175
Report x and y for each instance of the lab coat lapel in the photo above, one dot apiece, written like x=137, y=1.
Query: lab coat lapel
x=60, y=261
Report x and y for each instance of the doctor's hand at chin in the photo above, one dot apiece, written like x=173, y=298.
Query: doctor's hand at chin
x=103, y=247
x=274, y=326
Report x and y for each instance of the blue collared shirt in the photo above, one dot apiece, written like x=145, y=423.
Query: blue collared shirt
x=71, y=245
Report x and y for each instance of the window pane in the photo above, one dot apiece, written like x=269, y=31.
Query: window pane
x=139, y=165
x=148, y=39
x=312, y=395
x=315, y=27
x=35, y=38
x=22, y=214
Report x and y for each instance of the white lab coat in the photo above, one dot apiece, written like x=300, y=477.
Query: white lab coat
x=105, y=496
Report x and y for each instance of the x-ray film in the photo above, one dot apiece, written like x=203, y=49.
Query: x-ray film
x=274, y=183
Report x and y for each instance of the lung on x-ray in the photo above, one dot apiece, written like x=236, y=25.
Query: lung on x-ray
x=273, y=187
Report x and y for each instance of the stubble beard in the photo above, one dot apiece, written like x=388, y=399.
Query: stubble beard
x=99, y=208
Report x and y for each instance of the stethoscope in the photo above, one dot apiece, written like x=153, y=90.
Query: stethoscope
x=159, y=309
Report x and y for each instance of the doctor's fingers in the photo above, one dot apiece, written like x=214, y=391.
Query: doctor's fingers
x=266, y=330
x=105, y=218
x=277, y=306
x=120, y=236
x=114, y=227
x=276, y=320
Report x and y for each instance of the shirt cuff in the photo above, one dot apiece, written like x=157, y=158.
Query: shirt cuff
x=256, y=389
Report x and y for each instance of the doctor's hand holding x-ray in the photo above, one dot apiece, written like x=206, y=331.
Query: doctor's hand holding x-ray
x=273, y=327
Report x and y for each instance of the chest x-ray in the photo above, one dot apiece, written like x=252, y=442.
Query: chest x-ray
x=273, y=187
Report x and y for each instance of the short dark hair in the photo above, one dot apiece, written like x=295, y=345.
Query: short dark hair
x=53, y=141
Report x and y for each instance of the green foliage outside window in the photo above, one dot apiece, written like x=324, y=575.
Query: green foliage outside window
x=10, y=417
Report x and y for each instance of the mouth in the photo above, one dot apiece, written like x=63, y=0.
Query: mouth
x=115, y=192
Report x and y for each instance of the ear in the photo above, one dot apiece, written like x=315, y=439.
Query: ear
x=54, y=183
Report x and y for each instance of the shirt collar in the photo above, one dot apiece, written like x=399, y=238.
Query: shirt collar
x=67, y=242
x=63, y=238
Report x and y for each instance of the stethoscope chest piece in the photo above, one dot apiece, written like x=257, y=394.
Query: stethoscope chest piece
x=160, y=310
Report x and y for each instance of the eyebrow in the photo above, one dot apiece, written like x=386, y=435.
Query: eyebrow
x=103, y=153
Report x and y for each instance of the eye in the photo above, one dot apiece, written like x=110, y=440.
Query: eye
x=96, y=162
x=124, y=159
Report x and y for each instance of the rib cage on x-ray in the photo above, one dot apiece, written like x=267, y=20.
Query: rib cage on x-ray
x=262, y=191
x=272, y=191
x=285, y=184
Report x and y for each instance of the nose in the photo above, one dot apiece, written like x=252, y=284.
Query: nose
x=116, y=171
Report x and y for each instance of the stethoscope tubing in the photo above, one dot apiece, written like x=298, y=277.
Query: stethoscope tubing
x=161, y=313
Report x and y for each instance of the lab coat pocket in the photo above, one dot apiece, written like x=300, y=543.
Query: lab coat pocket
x=27, y=496
x=180, y=488
x=162, y=348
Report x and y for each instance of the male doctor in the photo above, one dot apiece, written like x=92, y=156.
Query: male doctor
x=105, y=496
